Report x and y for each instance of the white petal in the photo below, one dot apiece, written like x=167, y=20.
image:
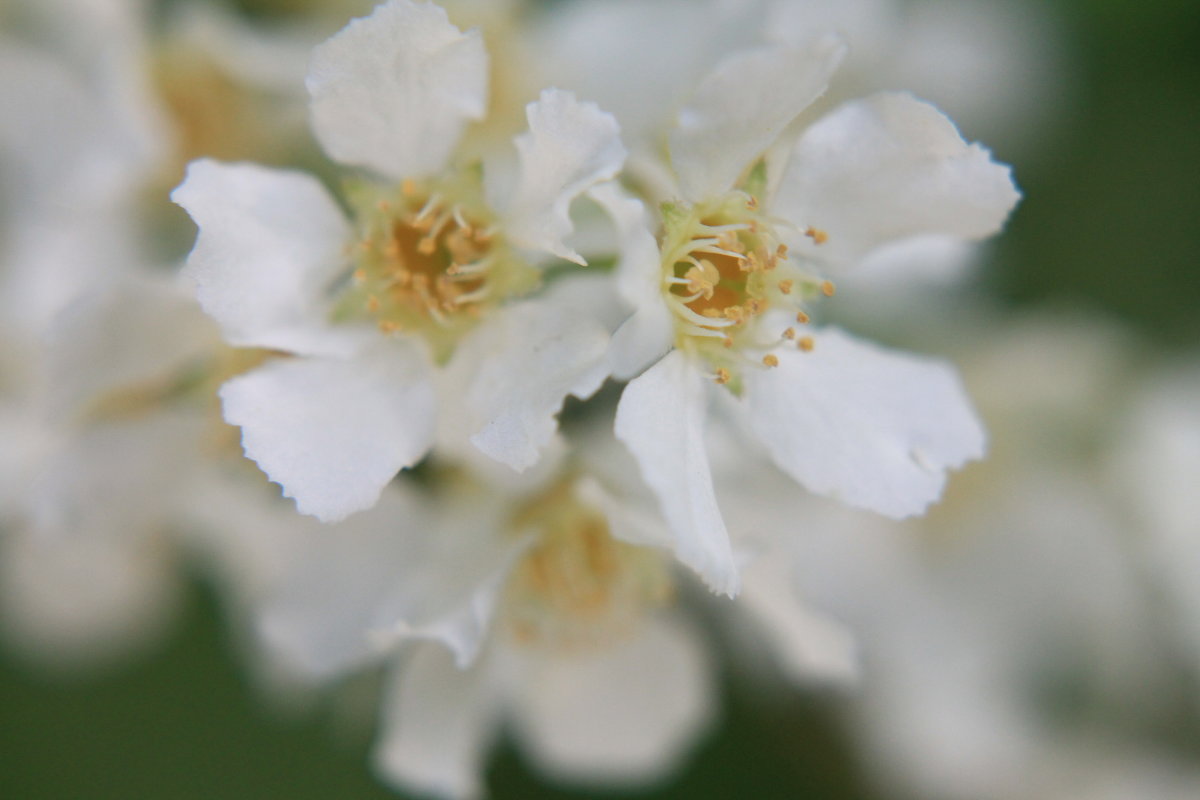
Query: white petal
x=646, y=335
x=886, y=168
x=622, y=715
x=569, y=147
x=271, y=242
x=438, y=723
x=660, y=418
x=741, y=107
x=402, y=570
x=873, y=428
x=333, y=432
x=525, y=361
x=810, y=646
x=394, y=90
x=134, y=331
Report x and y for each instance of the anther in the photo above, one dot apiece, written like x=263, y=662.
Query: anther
x=827, y=288
x=790, y=333
x=752, y=203
x=722, y=376
x=426, y=246
x=770, y=360
x=817, y=235
x=806, y=344
x=786, y=287
x=781, y=252
x=802, y=318
x=408, y=187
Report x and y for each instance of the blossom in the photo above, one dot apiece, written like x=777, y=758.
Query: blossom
x=434, y=250
x=760, y=225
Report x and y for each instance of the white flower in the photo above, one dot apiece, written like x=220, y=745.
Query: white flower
x=434, y=250
x=745, y=252
x=513, y=604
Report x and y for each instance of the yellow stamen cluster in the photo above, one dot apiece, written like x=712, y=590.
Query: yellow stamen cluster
x=430, y=262
x=723, y=269
x=577, y=587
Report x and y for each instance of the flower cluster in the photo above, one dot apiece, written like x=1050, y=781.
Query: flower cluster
x=503, y=379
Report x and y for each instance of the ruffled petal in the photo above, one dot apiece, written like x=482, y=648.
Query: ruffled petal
x=886, y=168
x=660, y=418
x=569, y=147
x=350, y=593
x=873, y=428
x=622, y=715
x=525, y=361
x=741, y=107
x=646, y=335
x=438, y=724
x=271, y=242
x=394, y=90
x=333, y=432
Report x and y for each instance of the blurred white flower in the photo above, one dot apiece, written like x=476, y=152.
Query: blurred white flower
x=743, y=255
x=435, y=248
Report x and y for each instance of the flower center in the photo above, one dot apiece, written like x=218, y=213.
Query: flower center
x=724, y=267
x=578, y=587
x=431, y=262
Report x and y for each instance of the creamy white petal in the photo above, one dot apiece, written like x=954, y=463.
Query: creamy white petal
x=808, y=645
x=660, y=418
x=406, y=569
x=886, y=168
x=741, y=107
x=873, y=428
x=569, y=147
x=138, y=332
x=394, y=90
x=623, y=714
x=525, y=361
x=438, y=724
x=333, y=432
x=646, y=334
x=271, y=243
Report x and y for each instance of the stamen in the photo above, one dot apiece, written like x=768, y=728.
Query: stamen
x=770, y=360
x=786, y=286
x=828, y=289
x=802, y=318
x=817, y=235
x=806, y=344
x=721, y=376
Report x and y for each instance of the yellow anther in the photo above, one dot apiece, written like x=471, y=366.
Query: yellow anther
x=806, y=344
x=790, y=333
x=786, y=286
x=426, y=246
x=752, y=203
x=827, y=288
x=408, y=187
x=817, y=235
x=727, y=343
x=770, y=360
x=756, y=305
x=722, y=376
x=781, y=252
x=735, y=313
x=802, y=318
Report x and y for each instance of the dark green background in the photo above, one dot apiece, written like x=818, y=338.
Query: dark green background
x=1109, y=223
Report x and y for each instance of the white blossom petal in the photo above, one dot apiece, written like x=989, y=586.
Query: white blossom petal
x=524, y=362
x=403, y=570
x=333, y=432
x=660, y=418
x=885, y=168
x=569, y=147
x=271, y=242
x=136, y=331
x=741, y=107
x=873, y=428
x=622, y=715
x=646, y=335
x=438, y=724
x=394, y=90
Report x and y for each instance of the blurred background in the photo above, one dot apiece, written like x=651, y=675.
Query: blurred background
x=1095, y=287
